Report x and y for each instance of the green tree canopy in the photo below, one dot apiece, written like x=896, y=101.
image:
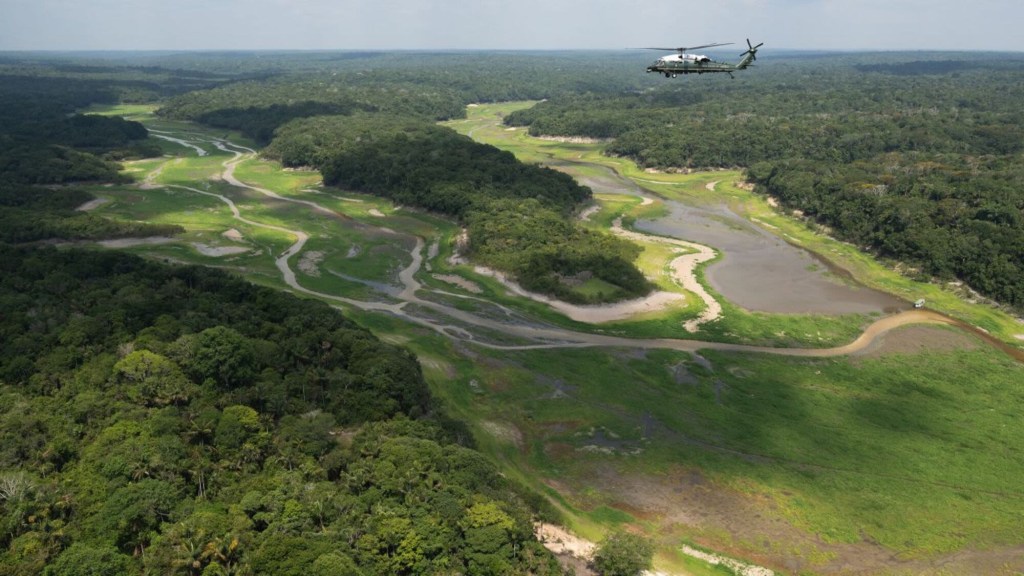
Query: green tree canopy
x=623, y=554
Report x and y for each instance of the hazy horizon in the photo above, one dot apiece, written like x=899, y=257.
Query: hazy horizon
x=440, y=25
x=722, y=51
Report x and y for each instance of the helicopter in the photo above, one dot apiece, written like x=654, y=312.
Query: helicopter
x=685, y=63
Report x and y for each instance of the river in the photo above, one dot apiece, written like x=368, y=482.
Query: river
x=757, y=270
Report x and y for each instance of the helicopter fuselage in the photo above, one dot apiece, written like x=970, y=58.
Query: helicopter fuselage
x=675, y=64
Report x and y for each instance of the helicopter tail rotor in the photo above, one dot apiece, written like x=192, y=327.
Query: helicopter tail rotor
x=752, y=50
x=749, y=56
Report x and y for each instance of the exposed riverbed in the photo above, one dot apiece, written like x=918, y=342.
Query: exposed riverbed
x=762, y=272
x=757, y=270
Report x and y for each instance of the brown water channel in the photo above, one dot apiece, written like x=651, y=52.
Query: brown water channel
x=757, y=269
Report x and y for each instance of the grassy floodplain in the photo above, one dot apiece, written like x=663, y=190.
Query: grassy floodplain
x=898, y=459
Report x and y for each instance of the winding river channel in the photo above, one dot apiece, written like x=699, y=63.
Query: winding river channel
x=500, y=328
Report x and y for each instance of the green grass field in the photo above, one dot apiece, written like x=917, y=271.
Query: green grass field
x=919, y=453
x=916, y=453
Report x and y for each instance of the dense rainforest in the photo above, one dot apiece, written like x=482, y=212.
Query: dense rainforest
x=46, y=145
x=917, y=161
x=44, y=141
x=175, y=420
x=423, y=85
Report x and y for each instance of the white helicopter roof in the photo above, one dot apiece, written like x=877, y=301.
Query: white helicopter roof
x=683, y=57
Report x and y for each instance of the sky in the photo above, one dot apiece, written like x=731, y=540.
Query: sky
x=508, y=25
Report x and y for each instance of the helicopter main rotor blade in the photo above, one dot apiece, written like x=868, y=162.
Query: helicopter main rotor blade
x=688, y=48
x=704, y=46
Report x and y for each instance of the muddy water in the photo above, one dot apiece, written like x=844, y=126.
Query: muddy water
x=758, y=270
